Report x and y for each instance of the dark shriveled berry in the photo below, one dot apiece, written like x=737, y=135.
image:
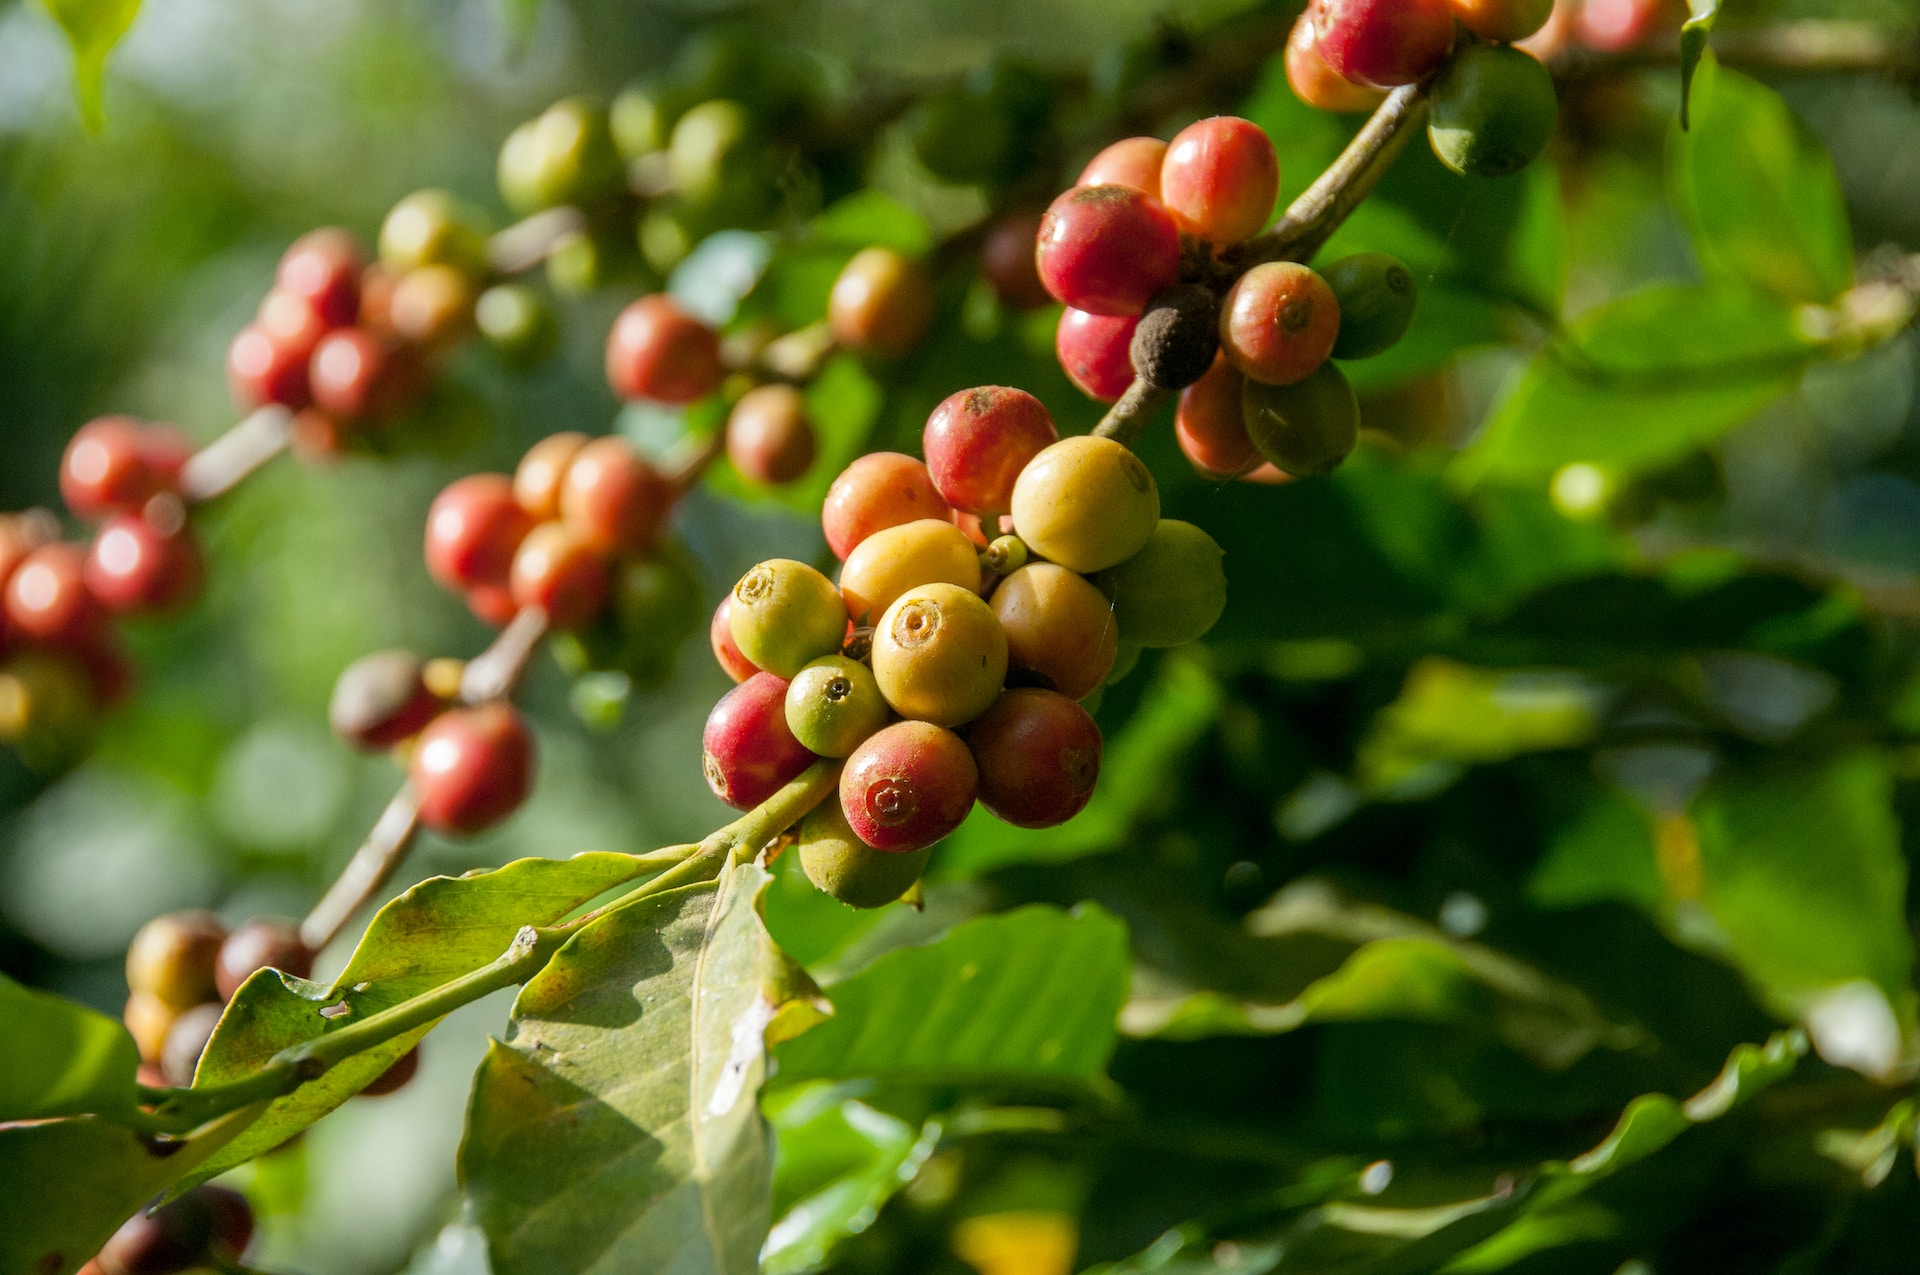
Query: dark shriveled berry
x=1308, y=427
x=1377, y=297
x=1493, y=111
x=1177, y=338
x=843, y=866
x=1038, y=754
x=908, y=786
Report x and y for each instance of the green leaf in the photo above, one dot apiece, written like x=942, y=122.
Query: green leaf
x=1693, y=43
x=93, y=27
x=840, y=1160
x=1026, y=996
x=617, y=1127
x=59, y=1059
x=872, y=218
x=432, y=934
x=1759, y=192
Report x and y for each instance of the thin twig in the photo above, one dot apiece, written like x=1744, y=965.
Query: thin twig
x=1128, y=417
x=219, y=466
x=493, y=673
x=527, y=243
x=686, y=471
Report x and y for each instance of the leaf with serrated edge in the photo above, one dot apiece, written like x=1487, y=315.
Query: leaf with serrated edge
x=59, y=1059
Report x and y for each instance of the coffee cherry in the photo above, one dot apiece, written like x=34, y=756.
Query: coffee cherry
x=377, y=283
x=975, y=530
x=1220, y=178
x=613, y=500
x=785, y=615
x=355, y=375
x=473, y=528
x=290, y=322
x=109, y=465
x=833, y=704
x=890, y=562
x=517, y=322
x=262, y=370
x=491, y=604
x=1493, y=111
x=1085, y=503
x=908, y=786
x=1006, y=258
x=654, y=604
x=186, y=1040
x=381, y=699
x=430, y=228
x=770, y=436
x=939, y=654
x=395, y=1077
x=877, y=491
x=322, y=268
x=471, y=768
x=175, y=1237
x=432, y=306
x=1316, y=83
x=726, y=652
x=1038, y=753
x=1610, y=26
x=1304, y=428
x=173, y=957
x=566, y=156
x=47, y=599
x=1376, y=296
x=20, y=535
x=841, y=865
x=1383, y=43
x=1209, y=425
x=1279, y=322
x=135, y=565
x=658, y=351
x=1172, y=591
x=1094, y=352
x=262, y=943
x=1060, y=629
x=881, y=303
x=558, y=573
x=1177, y=337
x=1002, y=555
x=1502, y=21
x=1133, y=162
x=49, y=707
x=978, y=441
x=1107, y=249
x=749, y=752
x=148, y=1020
x=537, y=480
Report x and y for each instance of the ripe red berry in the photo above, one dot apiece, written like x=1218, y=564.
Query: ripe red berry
x=658, y=351
x=1279, y=322
x=726, y=651
x=1107, y=249
x=47, y=599
x=20, y=535
x=1038, y=754
x=262, y=369
x=1220, y=179
x=356, y=375
x=880, y=303
x=138, y=564
x=1132, y=161
x=559, y=573
x=1093, y=351
x=471, y=768
x=1383, y=43
x=1210, y=427
x=262, y=943
x=1316, y=83
x=908, y=786
x=1006, y=258
x=473, y=528
x=770, y=436
x=381, y=699
x=395, y=1077
x=114, y=463
x=537, y=480
x=877, y=491
x=749, y=752
x=322, y=268
x=977, y=441
x=1609, y=26
x=613, y=500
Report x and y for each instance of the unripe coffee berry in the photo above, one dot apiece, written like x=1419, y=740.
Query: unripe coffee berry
x=748, y=751
x=1085, y=503
x=566, y=156
x=537, y=480
x=137, y=566
x=381, y=699
x=1279, y=322
x=1305, y=428
x=432, y=306
x=1060, y=628
x=1502, y=21
x=1383, y=43
x=881, y=303
x=1095, y=351
x=1003, y=554
x=841, y=865
x=833, y=704
x=877, y=491
x=770, y=436
x=186, y=1040
x=890, y=562
x=395, y=1077
x=977, y=441
x=653, y=605
x=322, y=268
x=471, y=768
x=473, y=528
x=263, y=369
x=49, y=705
x=785, y=615
x=1377, y=298
x=109, y=466
x=517, y=322
x=613, y=500
x=47, y=598
x=908, y=786
x=1006, y=258
x=148, y=1019
x=1172, y=591
x=1493, y=111
x=726, y=652
x=1038, y=754
x=658, y=351
x=1107, y=249
x=1133, y=162
x=1209, y=424
x=173, y=958
x=558, y=573
x=262, y=943
x=1316, y=83
x=1177, y=338
x=939, y=655
x=429, y=228
x=1220, y=178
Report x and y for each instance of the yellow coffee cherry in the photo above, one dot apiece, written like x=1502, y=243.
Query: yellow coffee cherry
x=785, y=615
x=939, y=655
x=1086, y=503
x=888, y=563
x=1059, y=626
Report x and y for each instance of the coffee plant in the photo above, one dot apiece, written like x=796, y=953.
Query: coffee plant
x=1316, y=731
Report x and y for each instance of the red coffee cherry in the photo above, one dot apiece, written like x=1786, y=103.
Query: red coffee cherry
x=881, y=303
x=1503, y=21
x=172, y=958
x=770, y=436
x=726, y=652
x=908, y=786
x=192, y=1231
x=1609, y=26
x=1316, y=83
x=658, y=351
x=474, y=527
x=1279, y=322
x=1220, y=179
x=1107, y=249
x=492, y=604
x=613, y=500
x=262, y=369
x=559, y=573
x=20, y=535
x=355, y=375
x=1093, y=351
x=978, y=441
x=186, y=1040
x=1133, y=162
x=877, y=491
x=1059, y=628
x=1038, y=754
x=1383, y=43
x=114, y=463
x=381, y=699
x=1210, y=427
x=537, y=480
x=262, y=943
x=395, y=1077
x=1006, y=258
x=322, y=268
x=47, y=599
x=232, y=1220
x=291, y=324
x=136, y=564
x=749, y=752
x=471, y=768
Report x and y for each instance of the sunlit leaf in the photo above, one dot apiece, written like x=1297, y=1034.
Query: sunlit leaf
x=839, y=1161
x=1693, y=43
x=58, y=1058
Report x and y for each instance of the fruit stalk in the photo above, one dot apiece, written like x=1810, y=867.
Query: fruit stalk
x=218, y=467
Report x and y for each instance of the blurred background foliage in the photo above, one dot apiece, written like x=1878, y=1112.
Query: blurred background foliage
x=1517, y=781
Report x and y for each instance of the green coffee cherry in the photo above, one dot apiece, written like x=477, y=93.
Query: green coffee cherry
x=1493, y=111
x=1125, y=660
x=785, y=615
x=1377, y=298
x=1172, y=591
x=716, y=158
x=48, y=710
x=517, y=322
x=1308, y=427
x=566, y=156
x=642, y=118
x=588, y=259
x=429, y=227
x=833, y=704
x=961, y=137
x=653, y=605
x=840, y=864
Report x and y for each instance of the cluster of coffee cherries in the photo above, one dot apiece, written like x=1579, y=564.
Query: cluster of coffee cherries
x=60, y=661
x=207, y=1228
x=983, y=594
